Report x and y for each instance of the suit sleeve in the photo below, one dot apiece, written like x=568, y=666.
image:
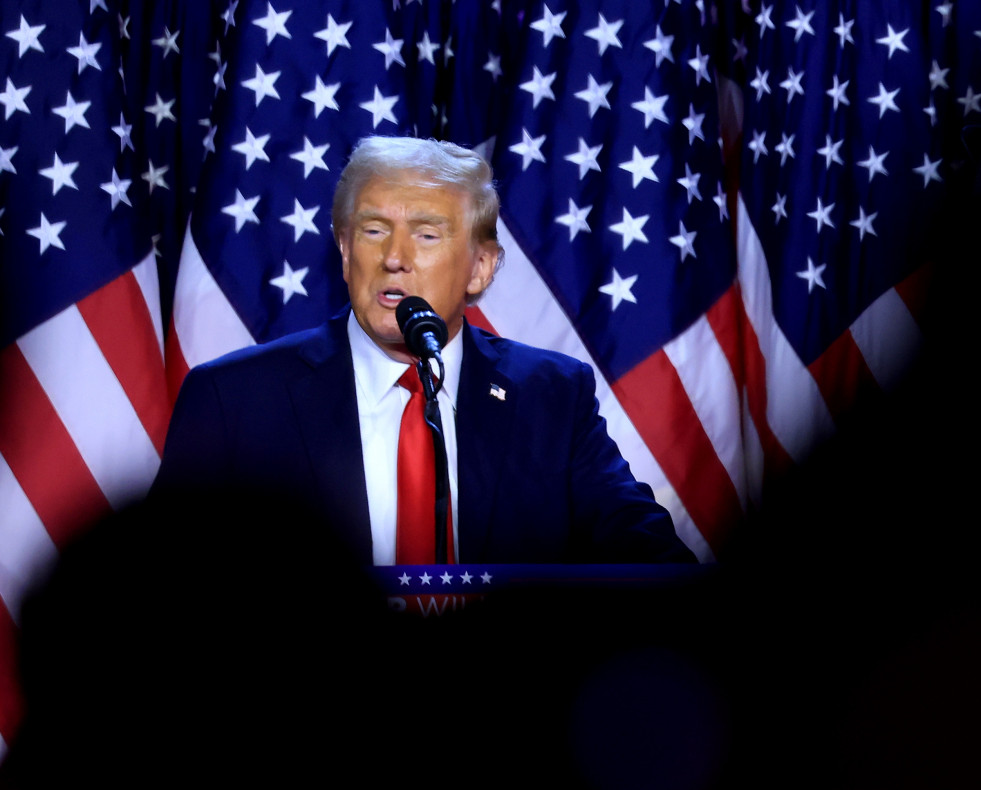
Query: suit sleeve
x=196, y=451
x=616, y=518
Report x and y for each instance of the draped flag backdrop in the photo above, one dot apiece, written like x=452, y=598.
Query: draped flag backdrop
x=730, y=209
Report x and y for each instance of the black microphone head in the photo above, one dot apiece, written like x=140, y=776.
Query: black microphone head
x=421, y=326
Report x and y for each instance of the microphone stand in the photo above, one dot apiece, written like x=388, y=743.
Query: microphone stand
x=439, y=446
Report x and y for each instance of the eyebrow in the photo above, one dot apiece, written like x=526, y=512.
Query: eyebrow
x=416, y=219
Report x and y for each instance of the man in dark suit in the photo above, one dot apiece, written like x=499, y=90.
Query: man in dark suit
x=533, y=474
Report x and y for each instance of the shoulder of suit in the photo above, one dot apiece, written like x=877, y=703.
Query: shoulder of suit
x=288, y=349
x=514, y=353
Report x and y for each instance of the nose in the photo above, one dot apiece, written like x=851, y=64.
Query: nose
x=398, y=252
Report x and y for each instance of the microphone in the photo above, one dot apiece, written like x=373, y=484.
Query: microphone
x=424, y=331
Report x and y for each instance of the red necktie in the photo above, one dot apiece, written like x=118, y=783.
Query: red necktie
x=416, y=536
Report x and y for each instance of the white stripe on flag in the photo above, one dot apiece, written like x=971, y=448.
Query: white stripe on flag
x=145, y=273
x=889, y=338
x=795, y=409
x=206, y=324
x=26, y=548
x=91, y=403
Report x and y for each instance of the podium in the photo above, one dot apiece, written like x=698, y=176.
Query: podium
x=440, y=590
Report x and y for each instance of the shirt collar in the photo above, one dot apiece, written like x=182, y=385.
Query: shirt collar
x=377, y=373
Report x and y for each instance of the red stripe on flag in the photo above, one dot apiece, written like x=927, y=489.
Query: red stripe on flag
x=42, y=455
x=11, y=696
x=916, y=288
x=121, y=324
x=739, y=343
x=655, y=400
x=844, y=377
x=477, y=318
x=177, y=367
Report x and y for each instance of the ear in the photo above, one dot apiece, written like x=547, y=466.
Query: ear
x=485, y=263
x=345, y=248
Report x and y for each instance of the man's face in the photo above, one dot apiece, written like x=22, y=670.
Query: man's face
x=405, y=239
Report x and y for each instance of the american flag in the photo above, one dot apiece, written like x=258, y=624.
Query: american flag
x=725, y=207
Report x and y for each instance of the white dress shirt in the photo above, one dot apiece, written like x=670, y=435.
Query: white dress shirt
x=381, y=402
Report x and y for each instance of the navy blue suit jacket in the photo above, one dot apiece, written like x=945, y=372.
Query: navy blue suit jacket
x=539, y=478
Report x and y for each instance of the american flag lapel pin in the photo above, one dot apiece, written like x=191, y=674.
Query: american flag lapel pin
x=497, y=392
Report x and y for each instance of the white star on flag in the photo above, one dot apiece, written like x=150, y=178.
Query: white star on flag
x=73, y=112
x=160, y=110
x=585, y=158
x=291, y=282
x=893, y=40
x=792, y=84
x=660, y=45
x=26, y=37
x=928, y=170
x=575, y=220
x=685, y=241
x=334, y=34
x=380, y=108
x=301, y=219
x=312, y=156
x=154, y=176
x=690, y=182
x=700, y=64
x=117, y=188
x=550, y=25
x=874, y=163
x=785, y=148
x=6, y=157
x=391, y=48
x=864, y=223
x=594, y=94
x=821, y=215
x=85, y=52
x=830, y=151
x=168, y=42
x=761, y=83
x=493, y=66
x=813, y=275
x=652, y=107
x=12, y=99
x=605, y=34
x=243, y=210
x=693, y=123
x=640, y=167
x=60, y=174
x=273, y=23
x=630, y=228
x=48, y=234
x=885, y=99
x=322, y=96
x=619, y=289
x=837, y=92
x=844, y=31
x=539, y=86
x=252, y=148
x=801, y=24
x=123, y=131
x=529, y=149
x=427, y=49
x=263, y=84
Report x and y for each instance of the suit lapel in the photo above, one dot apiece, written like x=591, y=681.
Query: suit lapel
x=485, y=413
x=325, y=405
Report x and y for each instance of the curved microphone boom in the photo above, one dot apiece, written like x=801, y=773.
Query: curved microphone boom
x=423, y=329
